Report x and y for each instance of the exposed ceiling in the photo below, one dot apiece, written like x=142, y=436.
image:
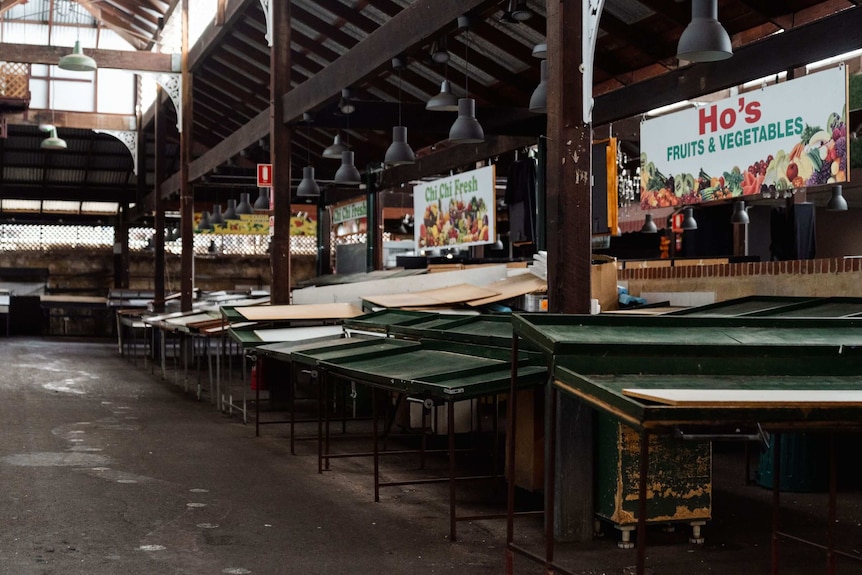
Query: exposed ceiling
x=635, y=69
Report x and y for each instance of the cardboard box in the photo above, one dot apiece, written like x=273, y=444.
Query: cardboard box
x=603, y=282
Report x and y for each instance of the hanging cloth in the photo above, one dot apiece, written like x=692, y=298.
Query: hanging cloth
x=521, y=201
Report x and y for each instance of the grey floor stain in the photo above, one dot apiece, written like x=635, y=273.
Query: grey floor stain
x=48, y=459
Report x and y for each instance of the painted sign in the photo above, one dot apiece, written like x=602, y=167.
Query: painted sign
x=301, y=224
x=785, y=136
x=458, y=211
x=350, y=218
x=264, y=175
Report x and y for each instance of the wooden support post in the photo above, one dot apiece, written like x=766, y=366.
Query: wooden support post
x=569, y=250
x=280, y=152
x=160, y=126
x=187, y=199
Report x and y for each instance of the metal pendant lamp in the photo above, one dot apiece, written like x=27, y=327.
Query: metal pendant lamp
x=466, y=128
x=205, y=225
x=77, y=61
x=704, y=39
x=347, y=173
x=307, y=186
x=740, y=216
x=445, y=101
x=836, y=203
x=688, y=221
x=519, y=11
x=649, y=226
x=539, y=99
x=399, y=152
x=217, y=218
x=230, y=212
x=53, y=141
x=262, y=201
x=334, y=151
x=244, y=206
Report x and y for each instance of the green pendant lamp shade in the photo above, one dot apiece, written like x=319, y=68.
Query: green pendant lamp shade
x=53, y=141
x=77, y=61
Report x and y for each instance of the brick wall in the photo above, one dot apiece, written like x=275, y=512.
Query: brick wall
x=826, y=277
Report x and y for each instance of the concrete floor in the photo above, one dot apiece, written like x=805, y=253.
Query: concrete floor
x=107, y=468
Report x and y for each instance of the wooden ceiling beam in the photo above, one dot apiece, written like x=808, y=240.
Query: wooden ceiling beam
x=81, y=120
x=396, y=36
x=115, y=59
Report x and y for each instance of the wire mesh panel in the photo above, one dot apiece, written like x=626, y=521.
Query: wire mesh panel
x=43, y=237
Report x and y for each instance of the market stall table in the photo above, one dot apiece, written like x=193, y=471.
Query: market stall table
x=432, y=372
x=699, y=378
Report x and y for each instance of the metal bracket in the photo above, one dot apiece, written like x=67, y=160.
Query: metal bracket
x=129, y=138
x=267, y=13
x=592, y=13
x=173, y=85
x=759, y=435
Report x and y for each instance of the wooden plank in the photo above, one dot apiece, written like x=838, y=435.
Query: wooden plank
x=750, y=397
x=115, y=59
x=429, y=298
x=298, y=312
x=511, y=288
x=298, y=333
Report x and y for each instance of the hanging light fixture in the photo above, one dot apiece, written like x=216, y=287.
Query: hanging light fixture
x=53, y=141
x=837, y=203
x=439, y=51
x=77, y=61
x=262, y=201
x=540, y=50
x=519, y=11
x=347, y=174
x=740, y=216
x=445, y=101
x=334, y=151
x=217, y=218
x=466, y=128
x=230, y=212
x=345, y=104
x=649, y=226
x=539, y=99
x=704, y=39
x=205, y=224
x=244, y=206
x=308, y=186
x=688, y=221
x=399, y=152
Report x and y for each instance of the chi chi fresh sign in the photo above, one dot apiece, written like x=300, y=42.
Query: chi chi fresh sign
x=458, y=211
x=786, y=136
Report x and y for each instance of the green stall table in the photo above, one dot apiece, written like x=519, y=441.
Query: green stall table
x=433, y=373
x=698, y=379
